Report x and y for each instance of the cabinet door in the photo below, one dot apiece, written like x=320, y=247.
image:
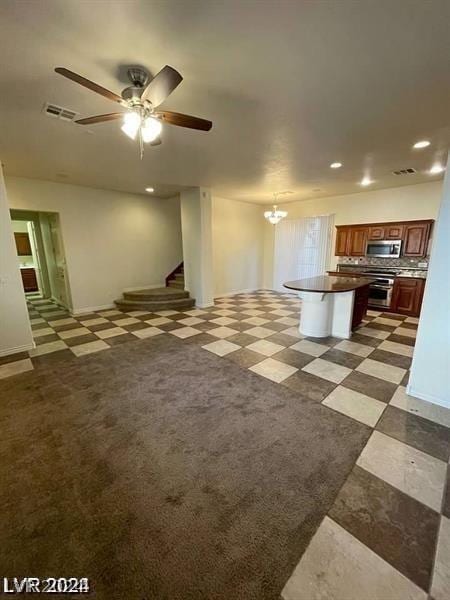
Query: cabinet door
x=29, y=280
x=394, y=232
x=416, y=239
x=22, y=244
x=342, y=239
x=407, y=296
x=358, y=241
x=376, y=233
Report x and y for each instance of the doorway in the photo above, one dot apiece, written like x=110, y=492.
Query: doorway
x=40, y=249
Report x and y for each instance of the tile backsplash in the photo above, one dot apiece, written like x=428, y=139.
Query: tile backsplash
x=404, y=263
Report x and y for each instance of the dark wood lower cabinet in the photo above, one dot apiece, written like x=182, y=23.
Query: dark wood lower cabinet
x=360, y=305
x=407, y=296
x=29, y=280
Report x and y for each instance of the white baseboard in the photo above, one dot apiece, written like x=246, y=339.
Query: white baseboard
x=235, y=292
x=427, y=397
x=88, y=309
x=18, y=349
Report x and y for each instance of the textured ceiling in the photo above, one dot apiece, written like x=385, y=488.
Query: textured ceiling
x=291, y=86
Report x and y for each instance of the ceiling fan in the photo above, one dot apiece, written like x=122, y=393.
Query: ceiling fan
x=141, y=99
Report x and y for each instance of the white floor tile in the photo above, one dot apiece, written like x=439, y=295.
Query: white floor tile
x=327, y=370
x=256, y=321
x=104, y=334
x=396, y=348
x=223, y=321
x=253, y=312
x=354, y=348
x=221, y=347
x=191, y=321
x=185, y=332
x=137, y=313
x=41, y=332
x=265, y=347
x=147, y=332
x=281, y=312
x=222, y=332
x=373, y=313
x=293, y=331
x=90, y=322
x=355, y=405
x=412, y=320
x=36, y=321
x=440, y=587
x=60, y=322
x=273, y=369
x=381, y=370
x=308, y=347
x=406, y=332
x=417, y=474
x=287, y=321
x=89, y=348
x=16, y=367
x=165, y=313
x=49, y=347
x=337, y=566
x=427, y=410
x=259, y=332
x=158, y=321
x=71, y=333
x=384, y=321
x=375, y=333
x=126, y=321
x=224, y=312
x=195, y=312
x=109, y=313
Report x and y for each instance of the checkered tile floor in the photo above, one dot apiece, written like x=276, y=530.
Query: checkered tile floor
x=387, y=536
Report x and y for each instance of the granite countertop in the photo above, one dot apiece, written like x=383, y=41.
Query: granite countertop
x=397, y=271
x=327, y=284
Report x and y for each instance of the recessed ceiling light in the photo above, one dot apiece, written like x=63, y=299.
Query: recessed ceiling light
x=436, y=169
x=366, y=181
x=336, y=165
x=149, y=190
x=422, y=144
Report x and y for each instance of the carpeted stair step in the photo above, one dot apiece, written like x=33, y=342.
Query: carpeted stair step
x=156, y=294
x=155, y=305
x=176, y=284
x=179, y=277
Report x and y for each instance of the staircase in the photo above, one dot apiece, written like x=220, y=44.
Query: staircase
x=171, y=297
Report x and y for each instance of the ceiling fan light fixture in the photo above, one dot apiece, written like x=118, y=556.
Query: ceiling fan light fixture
x=131, y=124
x=274, y=216
x=150, y=129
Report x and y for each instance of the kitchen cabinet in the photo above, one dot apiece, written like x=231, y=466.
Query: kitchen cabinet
x=416, y=238
x=357, y=241
x=29, y=280
x=22, y=243
x=351, y=240
x=342, y=241
x=407, y=296
x=360, y=305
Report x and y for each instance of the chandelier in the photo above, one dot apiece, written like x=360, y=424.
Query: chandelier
x=274, y=216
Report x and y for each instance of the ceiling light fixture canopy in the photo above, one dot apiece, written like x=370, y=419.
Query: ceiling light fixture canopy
x=365, y=181
x=149, y=189
x=336, y=165
x=436, y=169
x=422, y=144
x=274, y=216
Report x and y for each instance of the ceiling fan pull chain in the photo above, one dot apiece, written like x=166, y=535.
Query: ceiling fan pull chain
x=141, y=144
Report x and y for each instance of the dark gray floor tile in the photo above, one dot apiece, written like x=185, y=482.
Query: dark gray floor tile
x=309, y=386
x=38, y=326
x=394, y=316
x=171, y=326
x=82, y=339
x=416, y=431
x=245, y=358
x=13, y=357
x=120, y=339
x=293, y=358
x=274, y=326
x=365, y=339
x=397, y=527
x=401, y=339
x=44, y=339
x=370, y=386
x=282, y=338
x=200, y=339
x=405, y=379
x=134, y=326
x=326, y=341
x=100, y=326
x=446, y=506
x=390, y=358
x=207, y=325
x=382, y=326
x=53, y=358
x=342, y=358
x=242, y=339
x=239, y=326
x=406, y=325
x=67, y=327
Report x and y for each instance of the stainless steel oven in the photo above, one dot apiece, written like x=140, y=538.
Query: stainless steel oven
x=380, y=291
x=384, y=249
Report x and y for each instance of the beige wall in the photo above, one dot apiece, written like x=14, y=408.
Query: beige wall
x=238, y=245
x=402, y=203
x=113, y=240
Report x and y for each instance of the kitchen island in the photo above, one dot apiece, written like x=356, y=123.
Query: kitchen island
x=331, y=305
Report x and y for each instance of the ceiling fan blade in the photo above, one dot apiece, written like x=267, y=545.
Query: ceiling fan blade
x=183, y=120
x=94, y=87
x=162, y=84
x=156, y=142
x=99, y=118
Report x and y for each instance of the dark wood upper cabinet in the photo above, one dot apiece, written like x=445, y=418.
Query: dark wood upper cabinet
x=342, y=241
x=357, y=241
x=351, y=240
x=22, y=243
x=376, y=233
x=416, y=239
x=407, y=296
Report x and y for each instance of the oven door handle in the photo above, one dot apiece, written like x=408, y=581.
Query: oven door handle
x=381, y=287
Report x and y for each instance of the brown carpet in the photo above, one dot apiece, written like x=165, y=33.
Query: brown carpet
x=161, y=471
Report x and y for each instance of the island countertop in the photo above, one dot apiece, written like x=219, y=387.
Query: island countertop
x=327, y=284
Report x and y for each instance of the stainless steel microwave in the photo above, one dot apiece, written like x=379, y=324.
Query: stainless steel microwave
x=384, y=249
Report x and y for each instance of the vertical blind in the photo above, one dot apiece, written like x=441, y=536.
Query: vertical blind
x=302, y=248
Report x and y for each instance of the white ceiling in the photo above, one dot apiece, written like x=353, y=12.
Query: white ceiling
x=291, y=86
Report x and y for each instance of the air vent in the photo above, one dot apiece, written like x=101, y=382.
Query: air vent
x=409, y=171
x=59, y=112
